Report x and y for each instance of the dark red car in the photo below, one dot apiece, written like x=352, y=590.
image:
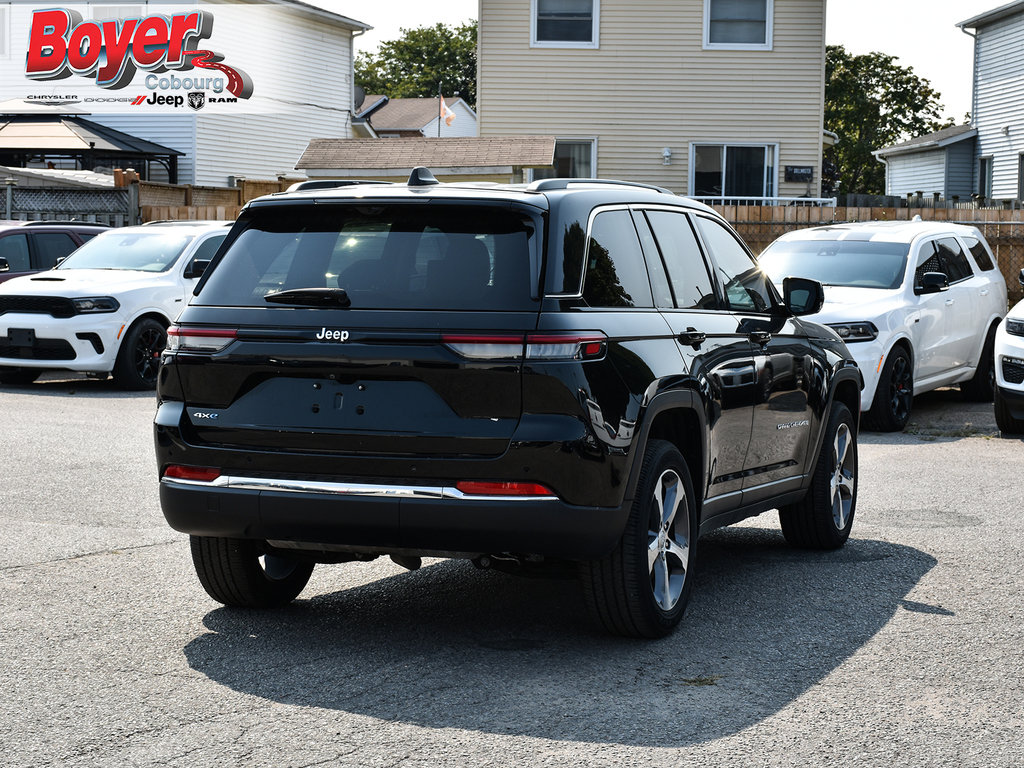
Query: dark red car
x=32, y=246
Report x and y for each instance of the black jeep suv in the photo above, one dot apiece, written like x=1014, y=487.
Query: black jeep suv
x=574, y=370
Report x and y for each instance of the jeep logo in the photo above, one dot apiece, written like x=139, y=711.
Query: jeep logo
x=326, y=335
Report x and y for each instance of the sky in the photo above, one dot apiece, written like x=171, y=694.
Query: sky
x=922, y=34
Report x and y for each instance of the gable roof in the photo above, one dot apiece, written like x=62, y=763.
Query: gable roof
x=324, y=13
x=403, y=114
x=468, y=152
x=69, y=133
x=990, y=17
x=935, y=140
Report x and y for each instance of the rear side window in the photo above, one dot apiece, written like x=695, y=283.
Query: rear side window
x=51, y=247
x=953, y=259
x=980, y=254
x=384, y=256
x=691, y=282
x=14, y=248
x=616, y=274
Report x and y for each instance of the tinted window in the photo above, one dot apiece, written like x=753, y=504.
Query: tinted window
x=746, y=286
x=848, y=263
x=616, y=274
x=928, y=261
x=14, y=248
x=655, y=267
x=208, y=247
x=383, y=256
x=687, y=270
x=952, y=256
x=51, y=246
x=980, y=253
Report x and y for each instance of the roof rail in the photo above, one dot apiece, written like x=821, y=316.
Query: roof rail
x=330, y=184
x=63, y=223
x=544, y=185
x=186, y=223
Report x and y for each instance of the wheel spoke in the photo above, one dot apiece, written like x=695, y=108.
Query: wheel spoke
x=653, y=551
x=842, y=444
x=846, y=484
x=680, y=551
x=666, y=584
x=672, y=496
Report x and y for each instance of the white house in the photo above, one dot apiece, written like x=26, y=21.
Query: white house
x=294, y=82
x=386, y=118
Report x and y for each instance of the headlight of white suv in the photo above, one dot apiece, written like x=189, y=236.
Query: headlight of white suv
x=96, y=304
x=855, y=331
x=1015, y=327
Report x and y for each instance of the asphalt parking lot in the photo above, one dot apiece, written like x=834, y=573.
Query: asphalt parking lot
x=903, y=648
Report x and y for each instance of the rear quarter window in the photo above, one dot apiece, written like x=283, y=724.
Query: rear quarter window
x=392, y=257
x=980, y=254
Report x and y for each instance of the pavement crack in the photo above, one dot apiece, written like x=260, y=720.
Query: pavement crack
x=84, y=555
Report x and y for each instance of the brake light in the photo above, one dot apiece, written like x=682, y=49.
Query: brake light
x=485, y=488
x=548, y=346
x=201, y=474
x=199, y=339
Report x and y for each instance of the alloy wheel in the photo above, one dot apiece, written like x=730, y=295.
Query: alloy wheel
x=150, y=346
x=901, y=389
x=843, y=476
x=668, y=540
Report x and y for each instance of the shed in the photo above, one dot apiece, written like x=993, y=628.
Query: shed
x=941, y=162
x=494, y=158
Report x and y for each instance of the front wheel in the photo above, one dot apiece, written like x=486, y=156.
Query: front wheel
x=1005, y=420
x=138, y=360
x=242, y=573
x=890, y=410
x=641, y=589
x=824, y=517
x=981, y=387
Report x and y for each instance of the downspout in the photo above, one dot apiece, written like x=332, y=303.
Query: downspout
x=352, y=80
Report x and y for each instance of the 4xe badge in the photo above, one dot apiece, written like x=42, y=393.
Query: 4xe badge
x=196, y=99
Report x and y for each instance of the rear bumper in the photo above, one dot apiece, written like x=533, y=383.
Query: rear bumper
x=399, y=517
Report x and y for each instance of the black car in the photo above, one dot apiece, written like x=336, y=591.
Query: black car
x=583, y=372
x=32, y=246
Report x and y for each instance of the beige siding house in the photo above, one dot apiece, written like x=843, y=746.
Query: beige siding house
x=706, y=97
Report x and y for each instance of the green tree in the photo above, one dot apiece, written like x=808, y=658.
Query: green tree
x=421, y=61
x=872, y=102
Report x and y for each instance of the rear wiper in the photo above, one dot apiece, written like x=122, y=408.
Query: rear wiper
x=311, y=297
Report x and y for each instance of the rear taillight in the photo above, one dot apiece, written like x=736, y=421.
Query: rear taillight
x=200, y=474
x=486, y=488
x=199, y=339
x=548, y=346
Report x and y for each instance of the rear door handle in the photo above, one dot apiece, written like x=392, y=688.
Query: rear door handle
x=760, y=337
x=984, y=292
x=692, y=337
x=949, y=302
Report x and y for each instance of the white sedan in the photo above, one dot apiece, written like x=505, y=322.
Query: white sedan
x=918, y=304
x=105, y=309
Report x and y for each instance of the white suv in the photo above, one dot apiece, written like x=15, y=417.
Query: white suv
x=105, y=309
x=917, y=302
x=1009, y=359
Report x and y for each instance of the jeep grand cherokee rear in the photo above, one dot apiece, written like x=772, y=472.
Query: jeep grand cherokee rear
x=506, y=374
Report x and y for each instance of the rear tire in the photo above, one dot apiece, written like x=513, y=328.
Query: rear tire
x=894, y=395
x=241, y=573
x=981, y=387
x=1005, y=419
x=18, y=375
x=138, y=360
x=641, y=589
x=824, y=517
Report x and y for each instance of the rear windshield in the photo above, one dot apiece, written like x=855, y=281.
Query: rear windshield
x=384, y=257
x=848, y=263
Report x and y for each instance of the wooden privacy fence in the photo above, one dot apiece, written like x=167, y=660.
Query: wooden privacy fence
x=158, y=202
x=1004, y=229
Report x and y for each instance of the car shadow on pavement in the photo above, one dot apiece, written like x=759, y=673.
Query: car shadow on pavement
x=78, y=386
x=451, y=647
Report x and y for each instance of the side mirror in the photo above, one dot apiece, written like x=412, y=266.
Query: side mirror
x=197, y=268
x=802, y=296
x=932, y=282
x=4, y=266
x=59, y=260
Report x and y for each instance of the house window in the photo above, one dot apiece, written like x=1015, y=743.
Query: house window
x=564, y=23
x=738, y=24
x=574, y=159
x=733, y=170
x=985, y=177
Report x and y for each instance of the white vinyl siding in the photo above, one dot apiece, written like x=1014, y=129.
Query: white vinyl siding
x=923, y=172
x=173, y=131
x=652, y=85
x=464, y=124
x=998, y=101
x=739, y=25
x=565, y=23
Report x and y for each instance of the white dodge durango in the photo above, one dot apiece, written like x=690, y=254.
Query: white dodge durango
x=918, y=304
x=105, y=309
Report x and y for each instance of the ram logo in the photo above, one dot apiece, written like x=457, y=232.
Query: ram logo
x=204, y=415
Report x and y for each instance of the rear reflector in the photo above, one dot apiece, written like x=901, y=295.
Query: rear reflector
x=201, y=474
x=549, y=346
x=483, y=488
x=199, y=339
